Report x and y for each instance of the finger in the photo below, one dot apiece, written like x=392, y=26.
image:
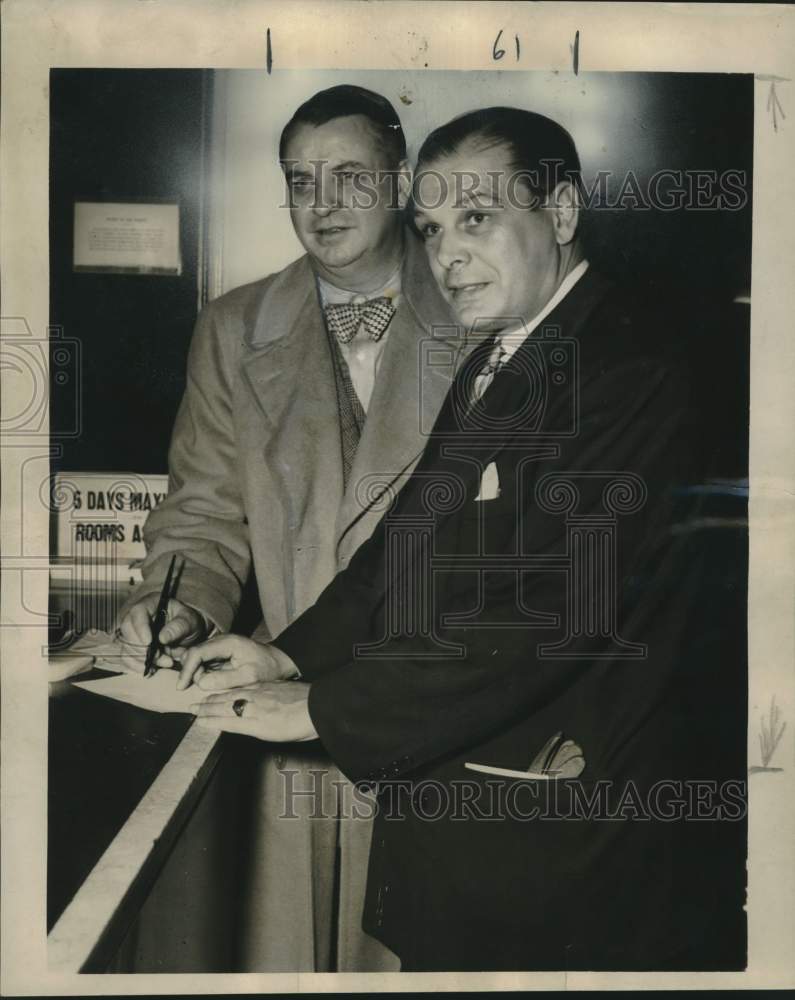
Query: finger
x=136, y=624
x=179, y=629
x=221, y=647
x=224, y=679
x=134, y=650
x=214, y=709
x=134, y=664
x=228, y=725
x=223, y=704
x=133, y=654
x=207, y=723
x=199, y=626
x=164, y=660
x=216, y=699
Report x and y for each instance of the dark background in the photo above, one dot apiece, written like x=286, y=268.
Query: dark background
x=126, y=135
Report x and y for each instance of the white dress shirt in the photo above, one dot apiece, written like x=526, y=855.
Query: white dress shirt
x=508, y=342
x=362, y=355
x=512, y=339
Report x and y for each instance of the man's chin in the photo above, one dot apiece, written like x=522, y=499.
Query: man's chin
x=335, y=257
x=478, y=317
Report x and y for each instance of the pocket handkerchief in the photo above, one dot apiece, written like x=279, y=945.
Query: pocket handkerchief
x=558, y=758
x=489, y=483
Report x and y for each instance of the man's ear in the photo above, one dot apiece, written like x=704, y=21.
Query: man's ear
x=404, y=180
x=565, y=205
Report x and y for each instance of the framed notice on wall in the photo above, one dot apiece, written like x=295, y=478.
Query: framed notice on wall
x=126, y=238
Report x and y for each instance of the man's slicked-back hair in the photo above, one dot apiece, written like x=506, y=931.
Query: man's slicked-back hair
x=539, y=148
x=345, y=100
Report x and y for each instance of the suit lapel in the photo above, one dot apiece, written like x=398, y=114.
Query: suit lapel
x=487, y=428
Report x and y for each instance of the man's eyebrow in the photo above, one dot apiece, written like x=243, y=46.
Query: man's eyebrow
x=481, y=196
x=348, y=164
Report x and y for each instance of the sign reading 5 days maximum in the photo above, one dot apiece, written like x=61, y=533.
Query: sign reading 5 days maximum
x=101, y=515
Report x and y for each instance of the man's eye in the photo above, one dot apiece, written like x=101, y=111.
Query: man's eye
x=429, y=229
x=302, y=187
x=475, y=219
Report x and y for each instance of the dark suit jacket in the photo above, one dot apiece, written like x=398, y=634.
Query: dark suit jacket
x=589, y=429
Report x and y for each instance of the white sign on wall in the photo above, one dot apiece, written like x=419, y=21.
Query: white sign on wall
x=127, y=238
x=100, y=515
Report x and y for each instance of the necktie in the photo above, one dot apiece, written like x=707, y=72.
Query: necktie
x=344, y=319
x=485, y=376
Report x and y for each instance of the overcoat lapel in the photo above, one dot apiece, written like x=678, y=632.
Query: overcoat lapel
x=287, y=350
x=294, y=434
x=419, y=362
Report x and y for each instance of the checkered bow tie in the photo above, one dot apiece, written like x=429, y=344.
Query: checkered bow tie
x=344, y=319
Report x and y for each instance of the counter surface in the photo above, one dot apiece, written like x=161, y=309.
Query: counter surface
x=122, y=781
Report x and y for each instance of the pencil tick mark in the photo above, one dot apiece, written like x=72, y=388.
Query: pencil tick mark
x=575, y=52
x=774, y=105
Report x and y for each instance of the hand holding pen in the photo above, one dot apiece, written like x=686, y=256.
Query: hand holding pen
x=184, y=626
x=158, y=621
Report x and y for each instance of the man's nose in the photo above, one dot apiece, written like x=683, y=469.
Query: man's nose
x=451, y=252
x=327, y=196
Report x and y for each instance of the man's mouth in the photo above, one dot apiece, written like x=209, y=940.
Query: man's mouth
x=463, y=292
x=331, y=231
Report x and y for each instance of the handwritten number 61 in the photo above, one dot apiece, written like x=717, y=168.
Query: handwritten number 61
x=497, y=53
